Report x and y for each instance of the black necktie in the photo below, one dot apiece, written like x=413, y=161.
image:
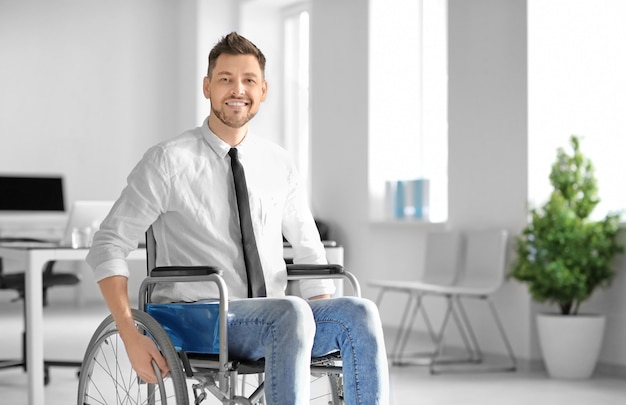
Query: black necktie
x=256, y=282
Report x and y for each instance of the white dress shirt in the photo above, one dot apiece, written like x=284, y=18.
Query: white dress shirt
x=184, y=188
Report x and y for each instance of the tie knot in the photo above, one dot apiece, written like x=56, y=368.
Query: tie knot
x=232, y=153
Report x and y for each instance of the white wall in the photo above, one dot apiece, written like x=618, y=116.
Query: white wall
x=487, y=121
x=88, y=85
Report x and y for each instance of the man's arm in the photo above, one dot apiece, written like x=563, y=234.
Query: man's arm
x=140, y=348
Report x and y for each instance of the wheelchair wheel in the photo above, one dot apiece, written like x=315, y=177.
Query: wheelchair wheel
x=107, y=377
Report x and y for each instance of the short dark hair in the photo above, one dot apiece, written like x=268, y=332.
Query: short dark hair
x=235, y=44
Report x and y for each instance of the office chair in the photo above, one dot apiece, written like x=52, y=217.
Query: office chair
x=17, y=282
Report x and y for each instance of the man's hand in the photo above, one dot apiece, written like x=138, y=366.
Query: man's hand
x=141, y=351
x=140, y=348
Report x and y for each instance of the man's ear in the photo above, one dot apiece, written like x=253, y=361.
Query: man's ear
x=206, y=87
x=264, y=90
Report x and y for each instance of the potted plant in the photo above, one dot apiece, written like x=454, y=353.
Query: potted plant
x=564, y=256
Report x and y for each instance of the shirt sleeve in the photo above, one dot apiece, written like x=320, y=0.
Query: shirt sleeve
x=115, y=267
x=136, y=209
x=300, y=230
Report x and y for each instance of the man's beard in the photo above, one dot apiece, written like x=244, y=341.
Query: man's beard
x=233, y=122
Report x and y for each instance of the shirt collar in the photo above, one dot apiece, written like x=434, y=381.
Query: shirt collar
x=220, y=147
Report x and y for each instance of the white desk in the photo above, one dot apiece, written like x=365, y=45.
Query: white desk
x=34, y=257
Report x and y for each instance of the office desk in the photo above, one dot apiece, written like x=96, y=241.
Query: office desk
x=35, y=256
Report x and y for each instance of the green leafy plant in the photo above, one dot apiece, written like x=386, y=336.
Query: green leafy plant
x=562, y=255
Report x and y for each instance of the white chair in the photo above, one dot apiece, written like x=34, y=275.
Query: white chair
x=483, y=272
x=441, y=265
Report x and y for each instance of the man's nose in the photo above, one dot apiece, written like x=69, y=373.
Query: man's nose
x=238, y=89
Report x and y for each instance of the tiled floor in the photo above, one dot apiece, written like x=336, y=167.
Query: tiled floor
x=68, y=329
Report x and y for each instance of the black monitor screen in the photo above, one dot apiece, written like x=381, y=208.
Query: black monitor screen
x=31, y=194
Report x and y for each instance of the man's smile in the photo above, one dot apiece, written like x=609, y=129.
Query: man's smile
x=237, y=103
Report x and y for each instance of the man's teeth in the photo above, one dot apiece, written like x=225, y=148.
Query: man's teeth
x=236, y=103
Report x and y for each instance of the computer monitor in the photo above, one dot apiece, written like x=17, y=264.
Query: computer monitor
x=31, y=194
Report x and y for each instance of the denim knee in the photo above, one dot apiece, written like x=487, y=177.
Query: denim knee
x=294, y=319
x=355, y=308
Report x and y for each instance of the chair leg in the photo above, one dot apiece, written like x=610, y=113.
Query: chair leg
x=379, y=298
x=20, y=362
x=47, y=363
x=409, y=325
x=466, y=333
x=429, y=325
x=426, y=358
x=14, y=363
x=457, y=321
x=501, y=331
x=24, y=360
x=439, y=343
x=476, y=354
x=505, y=339
x=405, y=326
x=405, y=329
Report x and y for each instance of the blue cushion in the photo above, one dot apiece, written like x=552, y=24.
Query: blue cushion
x=191, y=326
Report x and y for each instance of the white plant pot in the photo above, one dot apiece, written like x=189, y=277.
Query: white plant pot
x=570, y=344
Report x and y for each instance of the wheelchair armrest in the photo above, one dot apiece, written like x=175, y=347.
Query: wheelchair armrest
x=182, y=274
x=322, y=271
x=314, y=269
x=182, y=271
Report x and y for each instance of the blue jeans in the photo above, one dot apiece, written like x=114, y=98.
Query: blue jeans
x=288, y=331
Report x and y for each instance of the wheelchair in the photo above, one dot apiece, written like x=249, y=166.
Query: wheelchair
x=107, y=377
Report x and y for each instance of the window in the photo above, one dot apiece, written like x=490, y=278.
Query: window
x=296, y=87
x=408, y=101
x=408, y=97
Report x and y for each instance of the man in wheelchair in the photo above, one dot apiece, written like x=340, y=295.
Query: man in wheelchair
x=187, y=188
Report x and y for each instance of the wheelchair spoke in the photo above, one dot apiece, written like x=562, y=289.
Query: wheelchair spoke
x=113, y=381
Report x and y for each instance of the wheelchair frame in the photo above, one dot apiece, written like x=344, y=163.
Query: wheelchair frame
x=216, y=374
